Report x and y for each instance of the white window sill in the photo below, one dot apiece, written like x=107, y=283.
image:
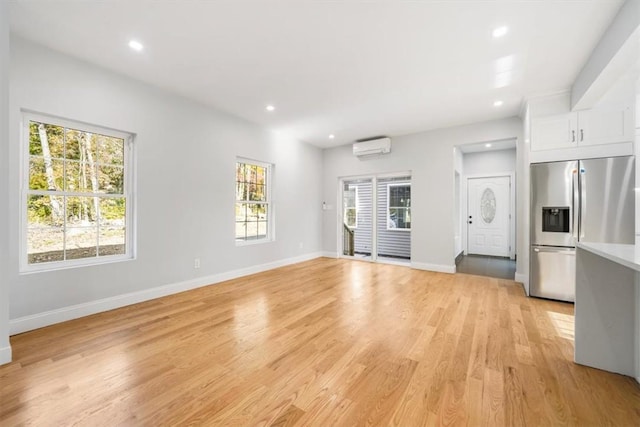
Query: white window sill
x=253, y=242
x=46, y=267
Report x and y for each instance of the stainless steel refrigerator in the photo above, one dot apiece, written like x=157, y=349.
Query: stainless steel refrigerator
x=583, y=200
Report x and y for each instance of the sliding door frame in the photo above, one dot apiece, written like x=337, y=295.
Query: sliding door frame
x=374, y=214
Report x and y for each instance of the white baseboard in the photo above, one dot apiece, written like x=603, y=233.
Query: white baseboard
x=434, y=267
x=329, y=254
x=524, y=279
x=39, y=320
x=5, y=355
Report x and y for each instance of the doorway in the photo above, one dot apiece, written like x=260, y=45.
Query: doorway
x=489, y=214
x=376, y=218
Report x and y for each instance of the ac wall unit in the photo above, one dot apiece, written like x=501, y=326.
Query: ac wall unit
x=371, y=147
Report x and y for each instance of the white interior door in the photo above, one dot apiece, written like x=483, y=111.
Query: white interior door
x=488, y=208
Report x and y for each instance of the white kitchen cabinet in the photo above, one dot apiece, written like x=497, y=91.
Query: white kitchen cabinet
x=555, y=131
x=582, y=128
x=605, y=126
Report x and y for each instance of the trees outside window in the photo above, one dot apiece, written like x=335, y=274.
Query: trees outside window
x=75, y=194
x=253, y=201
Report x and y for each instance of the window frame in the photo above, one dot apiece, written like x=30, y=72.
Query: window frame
x=127, y=193
x=355, y=208
x=389, y=207
x=270, y=237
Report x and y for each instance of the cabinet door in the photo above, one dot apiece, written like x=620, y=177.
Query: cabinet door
x=605, y=126
x=557, y=131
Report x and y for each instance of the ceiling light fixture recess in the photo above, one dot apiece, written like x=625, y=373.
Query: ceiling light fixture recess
x=270, y=108
x=487, y=145
x=498, y=103
x=500, y=31
x=136, y=45
x=332, y=136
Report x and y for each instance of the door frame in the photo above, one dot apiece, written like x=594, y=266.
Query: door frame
x=512, y=208
x=374, y=217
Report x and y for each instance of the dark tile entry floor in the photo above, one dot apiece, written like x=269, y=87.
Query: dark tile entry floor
x=480, y=265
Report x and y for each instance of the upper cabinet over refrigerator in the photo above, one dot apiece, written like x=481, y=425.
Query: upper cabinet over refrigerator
x=554, y=199
x=582, y=128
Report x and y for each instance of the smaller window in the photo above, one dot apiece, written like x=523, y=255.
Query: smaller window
x=351, y=206
x=253, y=202
x=399, y=206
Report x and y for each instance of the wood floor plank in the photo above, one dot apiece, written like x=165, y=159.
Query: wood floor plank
x=320, y=343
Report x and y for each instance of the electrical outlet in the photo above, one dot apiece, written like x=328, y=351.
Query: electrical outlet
x=301, y=245
x=196, y=263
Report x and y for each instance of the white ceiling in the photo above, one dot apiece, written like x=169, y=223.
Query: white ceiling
x=353, y=69
x=478, y=147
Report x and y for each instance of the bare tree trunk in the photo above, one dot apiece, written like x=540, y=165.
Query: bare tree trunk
x=48, y=165
x=83, y=180
x=92, y=171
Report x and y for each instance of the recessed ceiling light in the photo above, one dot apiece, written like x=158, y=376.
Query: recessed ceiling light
x=487, y=145
x=332, y=136
x=270, y=108
x=136, y=45
x=500, y=31
x=498, y=103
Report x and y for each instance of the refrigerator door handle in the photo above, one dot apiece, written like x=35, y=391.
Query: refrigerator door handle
x=582, y=198
x=575, y=203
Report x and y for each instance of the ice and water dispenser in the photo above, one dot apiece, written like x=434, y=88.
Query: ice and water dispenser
x=555, y=219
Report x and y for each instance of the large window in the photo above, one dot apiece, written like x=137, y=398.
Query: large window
x=76, y=194
x=253, y=201
x=399, y=206
x=350, y=200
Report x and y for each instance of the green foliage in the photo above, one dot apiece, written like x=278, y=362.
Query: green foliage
x=39, y=209
x=113, y=208
x=78, y=162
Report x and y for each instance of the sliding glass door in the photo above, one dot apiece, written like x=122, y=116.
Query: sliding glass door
x=376, y=218
x=357, y=224
x=394, y=218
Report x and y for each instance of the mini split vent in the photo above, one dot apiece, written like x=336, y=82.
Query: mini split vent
x=372, y=147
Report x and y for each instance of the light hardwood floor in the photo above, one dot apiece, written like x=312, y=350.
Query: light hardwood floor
x=325, y=342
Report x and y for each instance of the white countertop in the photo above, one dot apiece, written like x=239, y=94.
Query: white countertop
x=627, y=255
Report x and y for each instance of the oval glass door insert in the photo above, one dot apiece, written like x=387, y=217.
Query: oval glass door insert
x=488, y=205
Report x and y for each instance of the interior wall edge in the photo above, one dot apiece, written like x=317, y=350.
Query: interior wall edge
x=5, y=355
x=330, y=254
x=524, y=279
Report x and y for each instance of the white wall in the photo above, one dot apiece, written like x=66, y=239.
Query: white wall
x=185, y=167
x=430, y=158
x=489, y=162
x=5, y=348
